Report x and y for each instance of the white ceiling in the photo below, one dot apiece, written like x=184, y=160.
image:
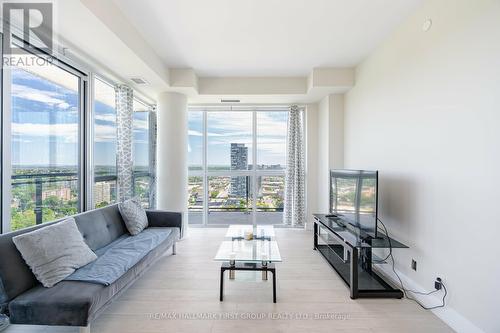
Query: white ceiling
x=264, y=37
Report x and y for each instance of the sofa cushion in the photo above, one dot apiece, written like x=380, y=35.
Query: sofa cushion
x=54, y=252
x=134, y=216
x=118, y=257
x=101, y=227
x=76, y=303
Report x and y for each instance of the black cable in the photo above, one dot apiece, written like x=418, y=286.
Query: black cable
x=381, y=261
x=405, y=291
x=421, y=293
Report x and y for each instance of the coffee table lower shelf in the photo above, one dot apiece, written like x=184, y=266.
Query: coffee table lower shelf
x=247, y=266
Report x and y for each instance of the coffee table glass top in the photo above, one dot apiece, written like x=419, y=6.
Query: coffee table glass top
x=238, y=230
x=255, y=250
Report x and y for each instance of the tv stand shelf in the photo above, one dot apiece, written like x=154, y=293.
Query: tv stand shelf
x=352, y=258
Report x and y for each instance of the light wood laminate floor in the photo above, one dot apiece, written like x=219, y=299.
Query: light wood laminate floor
x=177, y=289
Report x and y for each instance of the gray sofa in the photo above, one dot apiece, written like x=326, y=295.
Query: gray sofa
x=74, y=303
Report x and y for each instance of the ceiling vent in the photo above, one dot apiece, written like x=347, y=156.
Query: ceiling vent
x=230, y=100
x=138, y=80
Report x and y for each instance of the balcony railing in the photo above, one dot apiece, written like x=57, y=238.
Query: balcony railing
x=39, y=187
x=235, y=215
x=241, y=210
x=64, y=186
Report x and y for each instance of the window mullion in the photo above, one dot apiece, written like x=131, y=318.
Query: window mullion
x=6, y=138
x=204, y=170
x=88, y=146
x=254, y=168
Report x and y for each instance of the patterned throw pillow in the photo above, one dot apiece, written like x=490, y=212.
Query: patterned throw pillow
x=134, y=216
x=55, y=251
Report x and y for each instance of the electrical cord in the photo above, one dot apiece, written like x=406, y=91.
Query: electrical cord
x=406, y=291
x=381, y=261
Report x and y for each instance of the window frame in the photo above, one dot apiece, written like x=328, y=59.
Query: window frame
x=149, y=174
x=91, y=130
x=6, y=154
x=255, y=172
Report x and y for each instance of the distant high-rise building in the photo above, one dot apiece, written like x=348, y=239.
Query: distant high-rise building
x=239, y=156
x=102, y=192
x=63, y=193
x=258, y=185
x=239, y=161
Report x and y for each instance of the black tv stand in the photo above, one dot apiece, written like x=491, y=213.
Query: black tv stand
x=352, y=258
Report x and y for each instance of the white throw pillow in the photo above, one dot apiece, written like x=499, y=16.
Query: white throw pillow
x=134, y=216
x=54, y=252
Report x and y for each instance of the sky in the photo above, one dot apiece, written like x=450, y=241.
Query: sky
x=45, y=126
x=226, y=127
x=45, y=123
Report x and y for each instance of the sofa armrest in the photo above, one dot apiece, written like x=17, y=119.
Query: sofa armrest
x=162, y=218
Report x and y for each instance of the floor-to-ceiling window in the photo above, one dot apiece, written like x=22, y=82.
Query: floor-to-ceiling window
x=236, y=162
x=59, y=152
x=196, y=184
x=229, y=166
x=45, y=156
x=105, y=139
x=141, y=151
x=271, y=162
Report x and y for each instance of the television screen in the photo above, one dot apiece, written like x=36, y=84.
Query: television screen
x=353, y=198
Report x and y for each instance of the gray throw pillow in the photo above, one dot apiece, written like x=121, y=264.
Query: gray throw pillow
x=54, y=252
x=134, y=216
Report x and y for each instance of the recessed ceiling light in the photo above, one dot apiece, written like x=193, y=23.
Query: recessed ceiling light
x=138, y=80
x=427, y=25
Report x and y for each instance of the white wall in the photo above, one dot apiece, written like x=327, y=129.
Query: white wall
x=311, y=116
x=330, y=144
x=425, y=111
x=323, y=153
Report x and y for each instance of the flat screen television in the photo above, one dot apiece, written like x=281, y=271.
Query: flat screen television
x=354, y=198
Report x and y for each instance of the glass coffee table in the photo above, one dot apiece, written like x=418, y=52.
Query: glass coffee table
x=240, y=254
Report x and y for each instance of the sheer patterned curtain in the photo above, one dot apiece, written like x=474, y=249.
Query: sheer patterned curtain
x=124, y=158
x=294, y=211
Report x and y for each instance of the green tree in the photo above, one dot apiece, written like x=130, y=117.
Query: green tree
x=22, y=219
x=102, y=204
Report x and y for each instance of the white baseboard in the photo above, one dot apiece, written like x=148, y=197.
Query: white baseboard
x=447, y=314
